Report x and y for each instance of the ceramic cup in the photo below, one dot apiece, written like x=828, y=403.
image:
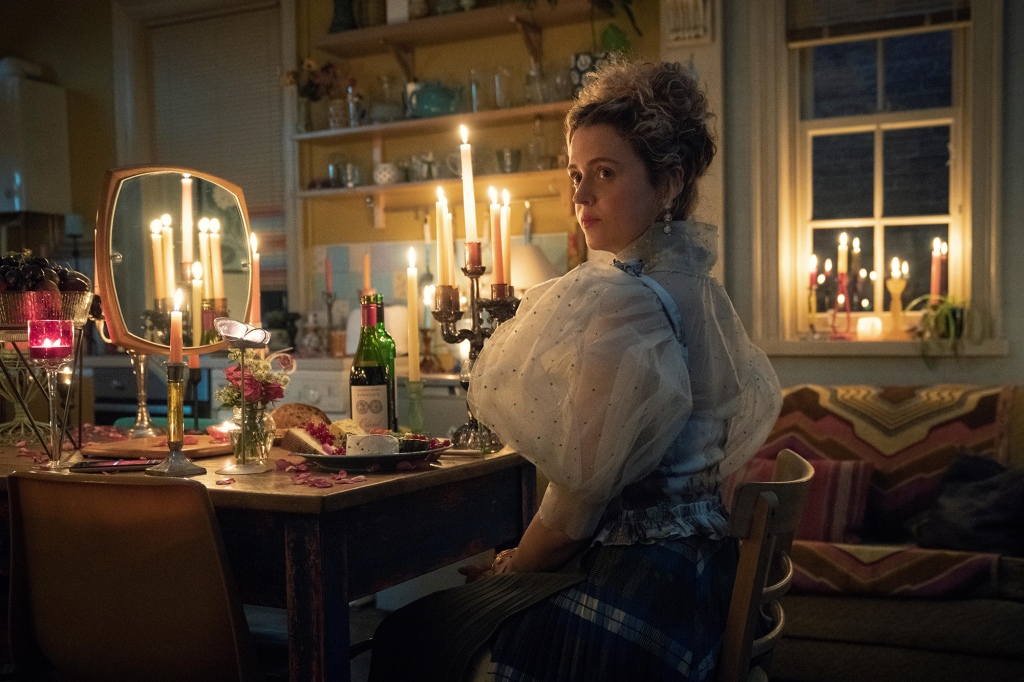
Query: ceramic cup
x=508, y=160
x=387, y=174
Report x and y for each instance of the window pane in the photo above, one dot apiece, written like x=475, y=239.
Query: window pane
x=916, y=171
x=859, y=284
x=913, y=243
x=919, y=71
x=845, y=79
x=843, y=176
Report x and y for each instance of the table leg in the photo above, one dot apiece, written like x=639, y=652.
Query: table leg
x=317, y=595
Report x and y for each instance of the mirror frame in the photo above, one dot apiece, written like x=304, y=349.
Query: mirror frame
x=116, y=327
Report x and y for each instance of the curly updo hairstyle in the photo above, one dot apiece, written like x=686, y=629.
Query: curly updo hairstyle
x=661, y=112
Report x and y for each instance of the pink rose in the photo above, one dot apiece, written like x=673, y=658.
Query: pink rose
x=253, y=389
x=285, y=362
x=233, y=374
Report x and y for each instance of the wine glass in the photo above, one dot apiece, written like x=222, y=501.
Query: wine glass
x=50, y=344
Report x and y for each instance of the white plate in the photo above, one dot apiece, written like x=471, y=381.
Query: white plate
x=365, y=462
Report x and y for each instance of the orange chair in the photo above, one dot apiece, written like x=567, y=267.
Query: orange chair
x=764, y=517
x=122, y=579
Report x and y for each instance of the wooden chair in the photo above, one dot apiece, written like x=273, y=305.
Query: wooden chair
x=764, y=517
x=121, y=579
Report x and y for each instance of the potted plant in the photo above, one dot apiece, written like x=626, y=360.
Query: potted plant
x=942, y=321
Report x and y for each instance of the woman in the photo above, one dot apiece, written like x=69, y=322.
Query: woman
x=634, y=388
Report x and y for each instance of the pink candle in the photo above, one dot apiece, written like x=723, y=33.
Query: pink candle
x=256, y=316
x=175, y=340
x=367, y=288
x=933, y=290
x=328, y=275
x=193, y=361
x=812, y=268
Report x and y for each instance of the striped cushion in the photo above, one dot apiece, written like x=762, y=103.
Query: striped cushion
x=835, y=504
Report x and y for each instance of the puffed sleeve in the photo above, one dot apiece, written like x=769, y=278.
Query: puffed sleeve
x=589, y=382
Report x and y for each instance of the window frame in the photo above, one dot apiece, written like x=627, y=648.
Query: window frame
x=780, y=194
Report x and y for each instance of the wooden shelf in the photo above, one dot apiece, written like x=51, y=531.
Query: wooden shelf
x=407, y=195
x=423, y=126
x=446, y=28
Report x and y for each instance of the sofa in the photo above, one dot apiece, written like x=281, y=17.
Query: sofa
x=908, y=557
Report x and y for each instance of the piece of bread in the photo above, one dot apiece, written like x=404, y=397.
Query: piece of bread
x=371, y=444
x=297, y=414
x=297, y=439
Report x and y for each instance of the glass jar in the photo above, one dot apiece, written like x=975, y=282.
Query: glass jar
x=253, y=435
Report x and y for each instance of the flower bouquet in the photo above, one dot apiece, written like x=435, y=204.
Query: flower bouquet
x=264, y=382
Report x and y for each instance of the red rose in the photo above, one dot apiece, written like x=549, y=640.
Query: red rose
x=233, y=374
x=272, y=391
x=253, y=389
x=285, y=362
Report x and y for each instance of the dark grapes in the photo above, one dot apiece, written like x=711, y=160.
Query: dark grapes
x=25, y=272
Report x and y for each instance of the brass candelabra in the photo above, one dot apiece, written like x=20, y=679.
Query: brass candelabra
x=447, y=311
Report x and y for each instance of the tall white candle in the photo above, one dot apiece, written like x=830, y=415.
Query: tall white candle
x=468, y=197
x=159, y=283
x=186, y=219
x=506, y=236
x=174, y=355
x=256, y=316
x=449, y=249
x=496, y=245
x=413, y=304
x=169, y=268
x=216, y=266
x=440, y=209
x=197, y=303
x=204, y=256
x=844, y=252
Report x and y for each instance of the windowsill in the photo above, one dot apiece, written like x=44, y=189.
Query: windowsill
x=990, y=348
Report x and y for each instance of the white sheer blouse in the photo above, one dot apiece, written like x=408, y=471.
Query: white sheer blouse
x=590, y=382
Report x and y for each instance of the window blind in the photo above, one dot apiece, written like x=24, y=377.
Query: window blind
x=217, y=99
x=808, y=21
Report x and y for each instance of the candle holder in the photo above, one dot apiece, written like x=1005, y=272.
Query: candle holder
x=842, y=293
x=447, y=312
x=176, y=463
x=143, y=426
x=812, y=311
x=50, y=343
x=896, y=287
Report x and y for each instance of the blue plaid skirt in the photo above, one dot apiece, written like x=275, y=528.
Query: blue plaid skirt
x=643, y=612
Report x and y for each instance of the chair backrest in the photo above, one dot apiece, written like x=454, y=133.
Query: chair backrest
x=122, y=578
x=764, y=517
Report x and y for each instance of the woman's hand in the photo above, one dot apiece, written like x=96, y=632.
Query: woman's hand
x=502, y=564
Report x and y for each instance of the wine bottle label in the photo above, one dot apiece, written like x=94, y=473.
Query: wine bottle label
x=370, y=406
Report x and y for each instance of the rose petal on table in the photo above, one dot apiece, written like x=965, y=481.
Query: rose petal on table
x=320, y=482
x=339, y=475
x=226, y=481
x=354, y=479
x=299, y=479
x=190, y=440
x=20, y=444
x=67, y=446
x=282, y=464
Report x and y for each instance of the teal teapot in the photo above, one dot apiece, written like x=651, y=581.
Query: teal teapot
x=432, y=98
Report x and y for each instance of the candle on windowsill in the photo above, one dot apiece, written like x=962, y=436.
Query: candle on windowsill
x=934, y=283
x=844, y=251
x=812, y=269
x=869, y=328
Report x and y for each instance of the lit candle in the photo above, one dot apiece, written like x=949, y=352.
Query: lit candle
x=828, y=267
x=468, y=197
x=856, y=255
x=506, y=236
x=812, y=268
x=216, y=263
x=944, y=269
x=905, y=269
x=328, y=275
x=843, y=254
x=186, y=219
x=175, y=354
x=933, y=289
x=496, y=252
x=50, y=339
x=895, y=268
x=204, y=256
x=440, y=208
x=449, y=249
x=159, y=283
x=255, y=317
x=197, y=303
x=367, y=288
x=413, y=303
x=193, y=361
x=168, y=238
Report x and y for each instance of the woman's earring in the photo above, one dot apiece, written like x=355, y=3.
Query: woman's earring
x=668, y=218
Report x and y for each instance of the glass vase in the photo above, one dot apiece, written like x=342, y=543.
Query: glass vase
x=253, y=435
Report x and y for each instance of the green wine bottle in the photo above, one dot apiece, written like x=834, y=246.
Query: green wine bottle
x=386, y=344
x=369, y=383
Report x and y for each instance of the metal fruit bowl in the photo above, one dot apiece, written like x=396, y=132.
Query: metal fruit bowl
x=18, y=307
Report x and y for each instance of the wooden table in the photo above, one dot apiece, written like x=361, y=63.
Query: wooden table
x=312, y=550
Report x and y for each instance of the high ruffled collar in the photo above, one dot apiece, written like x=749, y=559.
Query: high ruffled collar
x=696, y=243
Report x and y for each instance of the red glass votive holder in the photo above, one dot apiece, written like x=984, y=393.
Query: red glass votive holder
x=50, y=339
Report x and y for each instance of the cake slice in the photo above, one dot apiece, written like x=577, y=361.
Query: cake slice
x=299, y=440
